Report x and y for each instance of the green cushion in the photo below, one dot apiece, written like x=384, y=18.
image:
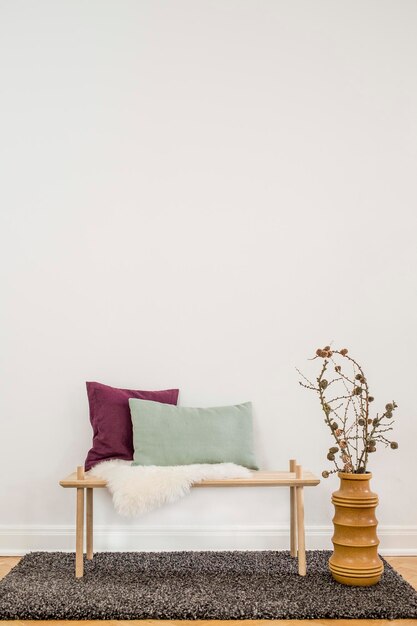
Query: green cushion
x=177, y=435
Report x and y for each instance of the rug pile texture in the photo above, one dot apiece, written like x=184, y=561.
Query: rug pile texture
x=195, y=585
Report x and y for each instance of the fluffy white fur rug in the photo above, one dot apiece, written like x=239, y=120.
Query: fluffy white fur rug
x=137, y=489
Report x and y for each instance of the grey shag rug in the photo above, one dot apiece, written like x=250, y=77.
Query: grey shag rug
x=195, y=585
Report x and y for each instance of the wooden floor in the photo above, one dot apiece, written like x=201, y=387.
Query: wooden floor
x=405, y=565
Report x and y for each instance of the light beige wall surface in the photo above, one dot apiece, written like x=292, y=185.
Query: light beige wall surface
x=198, y=194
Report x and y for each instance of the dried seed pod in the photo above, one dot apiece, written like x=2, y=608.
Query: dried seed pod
x=337, y=368
x=325, y=474
x=344, y=352
x=330, y=456
x=357, y=391
x=358, y=376
x=343, y=444
x=323, y=383
x=326, y=348
x=393, y=445
x=389, y=407
x=361, y=421
x=338, y=432
x=369, y=421
x=334, y=449
x=334, y=426
x=375, y=421
x=371, y=398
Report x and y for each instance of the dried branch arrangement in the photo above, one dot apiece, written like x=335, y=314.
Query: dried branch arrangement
x=345, y=400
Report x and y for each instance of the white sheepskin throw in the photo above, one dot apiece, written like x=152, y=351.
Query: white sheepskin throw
x=137, y=489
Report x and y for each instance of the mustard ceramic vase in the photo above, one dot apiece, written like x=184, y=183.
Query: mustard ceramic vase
x=355, y=559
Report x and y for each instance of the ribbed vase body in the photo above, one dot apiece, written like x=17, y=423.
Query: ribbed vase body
x=355, y=559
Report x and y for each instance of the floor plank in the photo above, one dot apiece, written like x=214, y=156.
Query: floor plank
x=405, y=565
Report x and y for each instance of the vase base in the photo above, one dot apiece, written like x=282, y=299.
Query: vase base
x=357, y=577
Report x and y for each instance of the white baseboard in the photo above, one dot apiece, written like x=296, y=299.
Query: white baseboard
x=18, y=540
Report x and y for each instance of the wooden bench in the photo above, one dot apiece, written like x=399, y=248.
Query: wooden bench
x=295, y=479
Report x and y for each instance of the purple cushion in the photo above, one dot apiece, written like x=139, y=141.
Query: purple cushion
x=111, y=421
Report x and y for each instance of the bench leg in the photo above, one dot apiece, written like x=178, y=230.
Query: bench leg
x=302, y=567
x=79, y=534
x=293, y=514
x=90, y=523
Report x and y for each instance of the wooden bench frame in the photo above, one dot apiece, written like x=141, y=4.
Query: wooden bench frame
x=295, y=479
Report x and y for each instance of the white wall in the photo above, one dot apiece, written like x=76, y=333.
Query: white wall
x=198, y=194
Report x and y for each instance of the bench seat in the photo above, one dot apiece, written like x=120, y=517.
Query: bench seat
x=257, y=479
